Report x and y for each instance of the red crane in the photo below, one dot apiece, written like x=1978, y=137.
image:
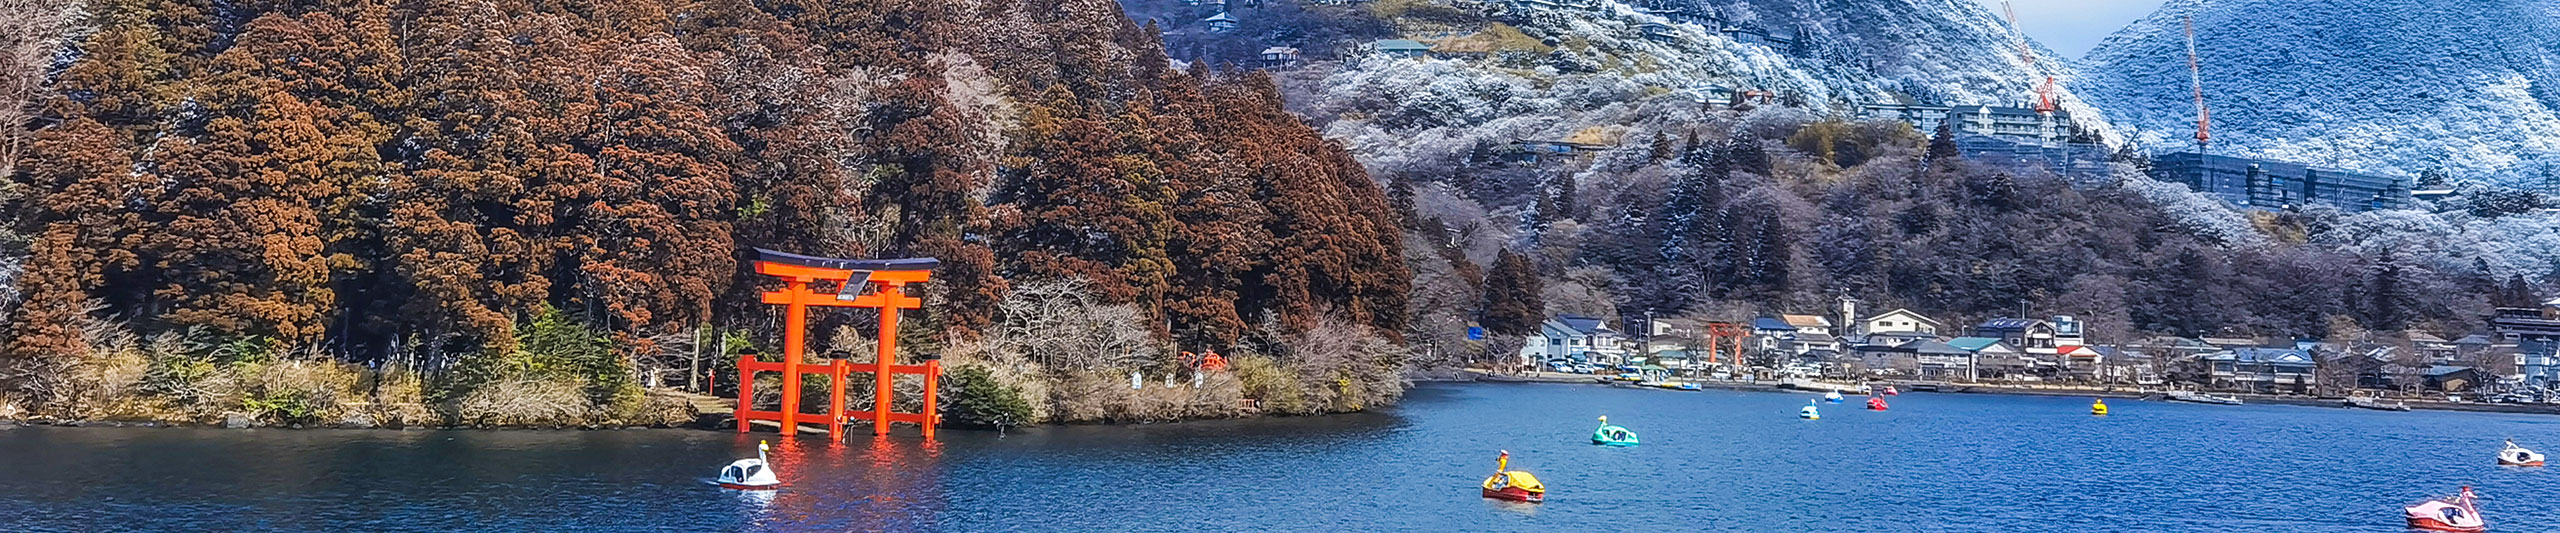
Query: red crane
x=2195, y=78
x=2045, y=101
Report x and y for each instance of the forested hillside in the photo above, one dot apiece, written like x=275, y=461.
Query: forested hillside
x=1727, y=215
x=409, y=185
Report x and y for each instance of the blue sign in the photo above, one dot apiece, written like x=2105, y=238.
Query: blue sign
x=1475, y=333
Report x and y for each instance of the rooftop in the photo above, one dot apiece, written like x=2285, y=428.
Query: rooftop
x=1974, y=344
x=2440, y=370
x=1931, y=347
x=1807, y=321
x=1401, y=45
x=1906, y=313
x=1584, y=325
x=2007, y=325
x=2263, y=355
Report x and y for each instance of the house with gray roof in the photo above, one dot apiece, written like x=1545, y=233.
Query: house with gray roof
x=1400, y=48
x=1575, y=337
x=1932, y=359
x=2262, y=369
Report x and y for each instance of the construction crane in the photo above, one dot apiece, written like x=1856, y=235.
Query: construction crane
x=2204, y=116
x=2195, y=79
x=2045, y=102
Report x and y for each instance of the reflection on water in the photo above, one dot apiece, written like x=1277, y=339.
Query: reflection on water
x=1718, y=461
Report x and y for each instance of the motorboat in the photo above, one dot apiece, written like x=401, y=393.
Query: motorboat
x=1810, y=411
x=1889, y=391
x=1609, y=435
x=2198, y=397
x=2457, y=513
x=1875, y=403
x=1674, y=385
x=749, y=474
x=2368, y=402
x=1833, y=396
x=1513, y=485
x=2515, y=455
x=2097, y=407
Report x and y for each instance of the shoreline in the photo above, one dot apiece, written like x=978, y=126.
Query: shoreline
x=2109, y=393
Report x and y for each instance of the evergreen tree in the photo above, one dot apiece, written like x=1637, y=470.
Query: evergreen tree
x=1513, y=296
x=1746, y=156
x=2517, y=293
x=2388, y=298
x=1942, y=145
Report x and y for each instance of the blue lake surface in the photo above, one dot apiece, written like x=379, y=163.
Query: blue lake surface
x=1711, y=461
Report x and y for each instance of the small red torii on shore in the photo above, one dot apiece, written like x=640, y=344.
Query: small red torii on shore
x=887, y=280
x=1717, y=332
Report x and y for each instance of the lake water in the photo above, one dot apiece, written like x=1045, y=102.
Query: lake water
x=1711, y=461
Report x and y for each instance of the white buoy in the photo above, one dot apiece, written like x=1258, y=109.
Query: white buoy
x=750, y=474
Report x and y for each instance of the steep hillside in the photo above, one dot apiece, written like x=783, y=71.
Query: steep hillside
x=1501, y=73
x=2379, y=85
x=553, y=193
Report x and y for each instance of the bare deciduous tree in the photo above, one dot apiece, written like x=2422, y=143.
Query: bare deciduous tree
x=32, y=34
x=1059, y=324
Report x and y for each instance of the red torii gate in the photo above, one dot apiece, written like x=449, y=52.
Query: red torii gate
x=1717, y=332
x=888, y=279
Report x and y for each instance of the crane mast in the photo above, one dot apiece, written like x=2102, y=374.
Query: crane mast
x=2195, y=79
x=2045, y=103
x=2204, y=116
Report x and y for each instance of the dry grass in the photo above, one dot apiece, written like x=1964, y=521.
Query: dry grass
x=400, y=400
x=1099, y=397
x=525, y=402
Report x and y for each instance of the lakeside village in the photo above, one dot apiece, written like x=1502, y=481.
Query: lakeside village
x=2511, y=363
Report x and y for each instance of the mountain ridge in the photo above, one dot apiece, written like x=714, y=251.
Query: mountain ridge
x=2391, y=86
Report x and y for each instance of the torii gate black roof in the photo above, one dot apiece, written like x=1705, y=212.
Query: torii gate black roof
x=915, y=263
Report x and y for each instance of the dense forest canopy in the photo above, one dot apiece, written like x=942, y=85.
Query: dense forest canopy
x=412, y=181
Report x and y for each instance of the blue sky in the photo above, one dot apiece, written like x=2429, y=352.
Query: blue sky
x=2072, y=27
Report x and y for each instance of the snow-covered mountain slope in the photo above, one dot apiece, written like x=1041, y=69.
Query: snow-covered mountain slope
x=1547, y=70
x=2399, y=86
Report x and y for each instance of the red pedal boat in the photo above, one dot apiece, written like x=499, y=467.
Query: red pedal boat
x=2457, y=514
x=1514, y=485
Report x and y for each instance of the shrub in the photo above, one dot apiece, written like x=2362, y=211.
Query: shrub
x=1274, y=388
x=295, y=390
x=974, y=397
x=551, y=350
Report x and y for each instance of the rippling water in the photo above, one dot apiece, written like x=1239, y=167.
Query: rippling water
x=1716, y=461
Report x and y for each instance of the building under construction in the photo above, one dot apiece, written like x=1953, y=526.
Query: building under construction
x=2266, y=184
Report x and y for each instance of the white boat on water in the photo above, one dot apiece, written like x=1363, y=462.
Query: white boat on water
x=749, y=474
x=2368, y=402
x=2515, y=455
x=2198, y=397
